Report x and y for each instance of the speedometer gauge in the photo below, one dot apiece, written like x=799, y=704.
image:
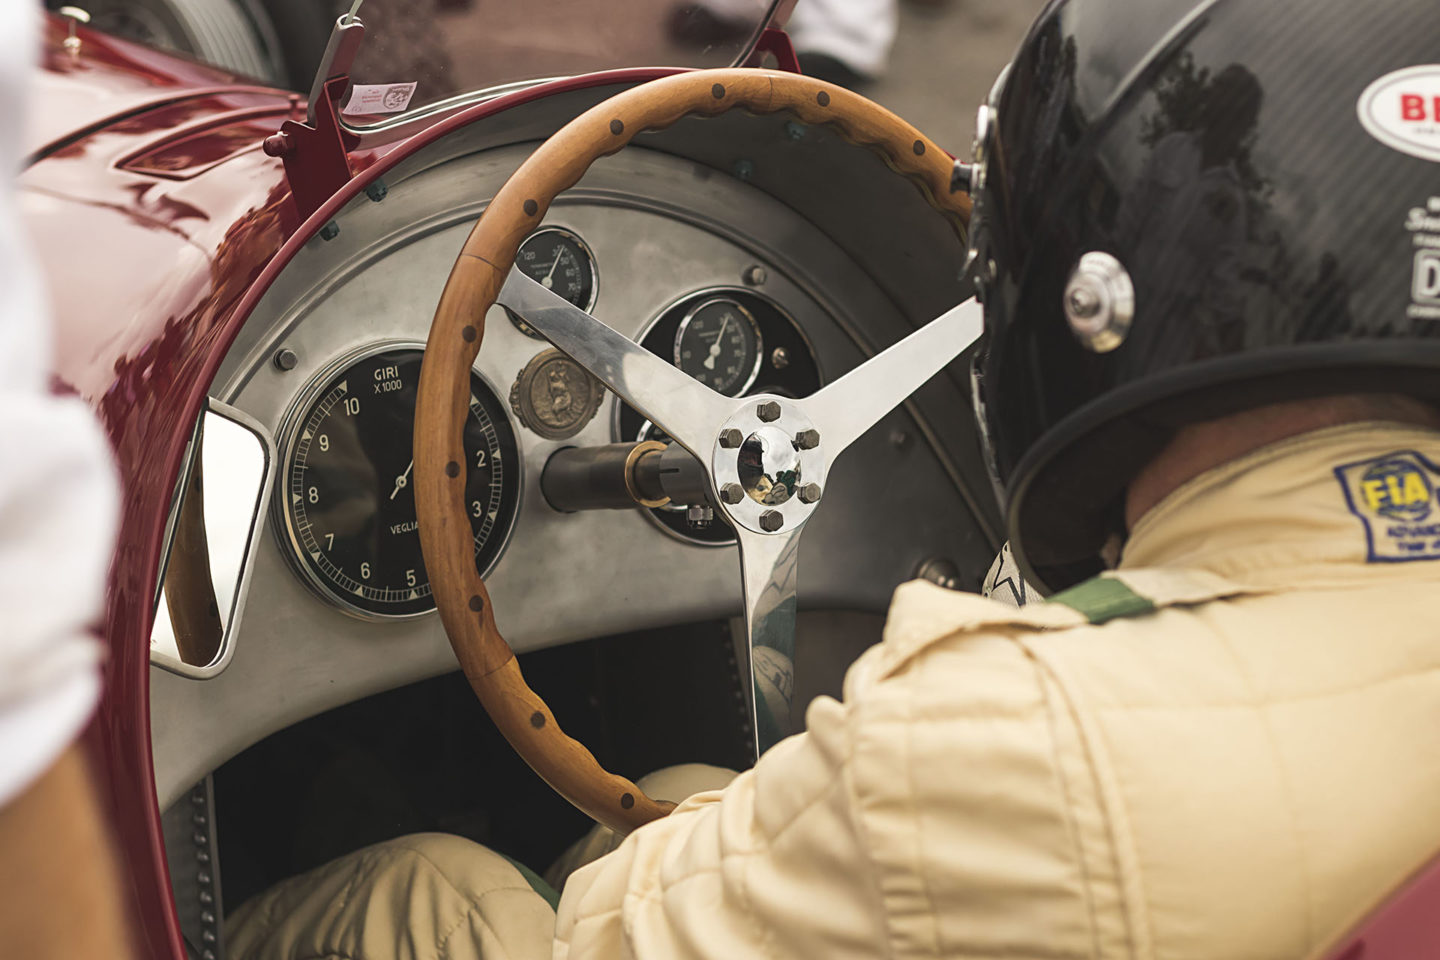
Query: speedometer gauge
x=561, y=262
x=347, y=501
x=718, y=343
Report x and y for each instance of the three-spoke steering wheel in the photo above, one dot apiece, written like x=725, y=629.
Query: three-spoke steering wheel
x=766, y=457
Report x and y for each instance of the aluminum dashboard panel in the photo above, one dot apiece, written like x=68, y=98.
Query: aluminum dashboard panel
x=659, y=228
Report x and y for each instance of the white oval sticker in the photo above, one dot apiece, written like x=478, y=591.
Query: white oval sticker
x=1402, y=111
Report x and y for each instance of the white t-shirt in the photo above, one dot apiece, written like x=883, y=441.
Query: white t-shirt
x=58, y=498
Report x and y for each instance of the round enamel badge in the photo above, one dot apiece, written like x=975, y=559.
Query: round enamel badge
x=554, y=396
x=1402, y=111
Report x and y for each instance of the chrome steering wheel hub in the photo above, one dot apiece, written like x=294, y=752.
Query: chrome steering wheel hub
x=768, y=465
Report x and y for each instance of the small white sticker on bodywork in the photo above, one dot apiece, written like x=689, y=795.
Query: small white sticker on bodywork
x=1402, y=111
x=372, y=98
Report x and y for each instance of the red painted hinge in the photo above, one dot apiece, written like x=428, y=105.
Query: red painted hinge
x=777, y=43
x=317, y=162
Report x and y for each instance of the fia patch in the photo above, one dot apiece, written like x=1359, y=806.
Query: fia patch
x=1394, y=497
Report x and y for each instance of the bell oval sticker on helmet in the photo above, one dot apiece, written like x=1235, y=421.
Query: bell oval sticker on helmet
x=1394, y=497
x=1402, y=111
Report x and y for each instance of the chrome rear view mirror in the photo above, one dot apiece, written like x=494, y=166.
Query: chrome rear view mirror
x=210, y=541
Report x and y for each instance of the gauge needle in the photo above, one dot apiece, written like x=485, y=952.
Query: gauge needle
x=402, y=480
x=547, y=283
x=715, y=347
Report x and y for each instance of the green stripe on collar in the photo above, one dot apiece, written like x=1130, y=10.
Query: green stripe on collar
x=1103, y=598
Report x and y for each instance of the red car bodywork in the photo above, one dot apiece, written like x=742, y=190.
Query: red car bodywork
x=160, y=220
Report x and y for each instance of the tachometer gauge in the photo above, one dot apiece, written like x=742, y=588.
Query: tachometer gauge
x=718, y=343
x=347, y=501
x=560, y=261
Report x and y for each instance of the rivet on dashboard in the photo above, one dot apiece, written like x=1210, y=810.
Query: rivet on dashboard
x=530, y=207
x=744, y=170
x=452, y=469
x=754, y=275
x=794, y=131
x=616, y=127
x=285, y=359
x=330, y=231
x=377, y=191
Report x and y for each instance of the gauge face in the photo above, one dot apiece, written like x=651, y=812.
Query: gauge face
x=785, y=361
x=348, y=498
x=718, y=343
x=560, y=261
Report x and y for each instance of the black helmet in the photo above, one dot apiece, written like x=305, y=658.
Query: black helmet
x=1186, y=209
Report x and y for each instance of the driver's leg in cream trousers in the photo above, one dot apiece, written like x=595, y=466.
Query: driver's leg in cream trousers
x=429, y=896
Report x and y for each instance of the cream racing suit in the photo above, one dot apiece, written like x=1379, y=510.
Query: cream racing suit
x=1223, y=750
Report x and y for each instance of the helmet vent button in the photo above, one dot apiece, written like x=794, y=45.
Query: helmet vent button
x=1099, y=302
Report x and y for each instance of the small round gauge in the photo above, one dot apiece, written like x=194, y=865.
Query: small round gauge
x=559, y=260
x=347, y=501
x=719, y=344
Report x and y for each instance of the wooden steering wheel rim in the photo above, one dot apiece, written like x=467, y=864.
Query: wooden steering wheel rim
x=459, y=326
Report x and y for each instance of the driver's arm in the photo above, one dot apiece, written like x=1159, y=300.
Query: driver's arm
x=925, y=816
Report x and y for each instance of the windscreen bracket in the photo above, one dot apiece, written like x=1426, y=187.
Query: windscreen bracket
x=316, y=152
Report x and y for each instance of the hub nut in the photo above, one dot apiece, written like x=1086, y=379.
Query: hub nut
x=807, y=439
x=809, y=492
x=771, y=520
x=768, y=412
x=730, y=438
x=732, y=493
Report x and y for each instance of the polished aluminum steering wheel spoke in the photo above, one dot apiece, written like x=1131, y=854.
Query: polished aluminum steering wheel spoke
x=684, y=408
x=846, y=408
x=768, y=568
x=765, y=457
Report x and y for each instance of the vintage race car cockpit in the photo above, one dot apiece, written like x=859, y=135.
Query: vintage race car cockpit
x=692, y=398
x=282, y=690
